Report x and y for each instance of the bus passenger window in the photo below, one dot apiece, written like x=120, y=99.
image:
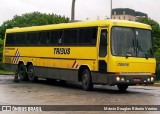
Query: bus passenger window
x=44, y=37
x=33, y=38
x=87, y=36
x=103, y=44
x=56, y=37
x=70, y=36
x=10, y=39
x=20, y=39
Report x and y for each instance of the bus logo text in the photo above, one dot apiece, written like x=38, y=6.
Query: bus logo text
x=62, y=51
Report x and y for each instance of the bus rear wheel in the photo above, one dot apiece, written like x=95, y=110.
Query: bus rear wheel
x=87, y=80
x=22, y=72
x=51, y=80
x=122, y=88
x=31, y=74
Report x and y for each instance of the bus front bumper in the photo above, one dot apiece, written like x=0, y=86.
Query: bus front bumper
x=113, y=79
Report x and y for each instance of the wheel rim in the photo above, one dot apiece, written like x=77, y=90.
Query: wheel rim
x=21, y=72
x=85, y=82
x=31, y=72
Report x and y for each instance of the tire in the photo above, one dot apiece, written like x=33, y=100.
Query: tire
x=122, y=88
x=87, y=80
x=31, y=74
x=49, y=80
x=62, y=82
x=22, y=72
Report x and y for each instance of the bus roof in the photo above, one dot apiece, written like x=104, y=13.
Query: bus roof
x=105, y=23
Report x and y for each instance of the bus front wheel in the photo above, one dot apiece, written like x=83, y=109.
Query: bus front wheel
x=31, y=74
x=22, y=72
x=122, y=88
x=86, y=80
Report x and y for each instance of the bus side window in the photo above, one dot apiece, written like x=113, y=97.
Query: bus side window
x=51, y=38
x=10, y=39
x=103, y=43
x=87, y=36
x=56, y=37
x=20, y=39
x=70, y=37
x=33, y=38
x=44, y=36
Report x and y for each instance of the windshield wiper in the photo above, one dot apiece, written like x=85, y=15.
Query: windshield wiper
x=128, y=55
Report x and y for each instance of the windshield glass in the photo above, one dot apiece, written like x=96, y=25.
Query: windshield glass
x=144, y=43
x=131, y=42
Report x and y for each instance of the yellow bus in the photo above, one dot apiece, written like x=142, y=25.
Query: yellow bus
x=110, y=52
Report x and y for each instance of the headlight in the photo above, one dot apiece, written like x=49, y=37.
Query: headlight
x=152, y=79
x=118, y=78
x=148, y=79
x=122, y=79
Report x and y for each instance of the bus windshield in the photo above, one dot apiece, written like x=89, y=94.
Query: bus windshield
x=131, y=42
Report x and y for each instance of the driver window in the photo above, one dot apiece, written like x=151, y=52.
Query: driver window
x=103, y=43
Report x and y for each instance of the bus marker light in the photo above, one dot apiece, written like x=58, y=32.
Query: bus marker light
x=117, y=73
x=153, y=74
x=115, y=23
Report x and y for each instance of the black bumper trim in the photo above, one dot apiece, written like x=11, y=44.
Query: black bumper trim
x=110, y=79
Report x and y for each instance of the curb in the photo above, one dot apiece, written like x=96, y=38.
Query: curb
x=155, y=85
x=7, y=74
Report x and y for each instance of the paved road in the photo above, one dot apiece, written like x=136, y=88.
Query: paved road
x=44, y=93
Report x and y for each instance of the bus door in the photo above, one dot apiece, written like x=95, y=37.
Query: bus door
x=103, y=53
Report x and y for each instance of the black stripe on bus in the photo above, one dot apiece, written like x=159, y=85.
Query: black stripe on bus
x=71, y=69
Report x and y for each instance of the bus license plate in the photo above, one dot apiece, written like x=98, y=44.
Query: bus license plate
x=137, y=80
